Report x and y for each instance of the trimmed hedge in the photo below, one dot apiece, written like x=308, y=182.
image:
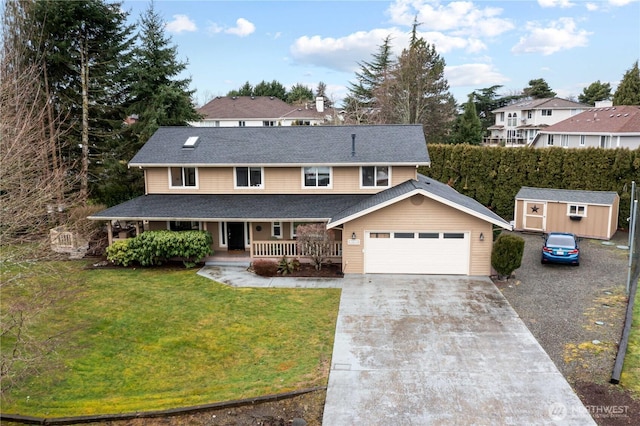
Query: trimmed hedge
x=494, y=175
x=156, y=247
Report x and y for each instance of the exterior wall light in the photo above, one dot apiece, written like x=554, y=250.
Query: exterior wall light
x=353, y=235
x=481, y=236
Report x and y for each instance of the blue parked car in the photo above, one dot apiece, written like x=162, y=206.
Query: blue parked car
x=561, y=247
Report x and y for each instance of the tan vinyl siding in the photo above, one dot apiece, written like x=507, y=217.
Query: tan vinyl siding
x=277, y=180
x=419, y=213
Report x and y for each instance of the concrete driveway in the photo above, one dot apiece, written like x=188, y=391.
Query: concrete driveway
x=420, y=350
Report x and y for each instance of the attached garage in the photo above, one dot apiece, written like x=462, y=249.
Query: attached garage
x=418, y=227
x=416, y=252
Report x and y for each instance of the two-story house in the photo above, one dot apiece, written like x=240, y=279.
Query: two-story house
x=519, y=123
x=262, y=111
x=603, y=127
x=251, y=186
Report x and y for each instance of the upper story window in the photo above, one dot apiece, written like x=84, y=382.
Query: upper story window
x=375, y=176
x=267, y=123
x=501, y=117
x=529, y=114
x=183, y=177
x=249, y=177
x=317, y=177
x=546, y=112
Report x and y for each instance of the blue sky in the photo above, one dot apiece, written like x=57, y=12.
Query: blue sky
x=569, y=43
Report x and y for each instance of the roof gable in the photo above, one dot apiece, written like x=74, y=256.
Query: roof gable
x=615, y=119
x=427, y=187
x=285, y=146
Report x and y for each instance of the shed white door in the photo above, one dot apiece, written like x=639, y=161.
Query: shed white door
x=445, y=253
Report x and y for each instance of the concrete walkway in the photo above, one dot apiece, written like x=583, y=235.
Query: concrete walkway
x=431, y=350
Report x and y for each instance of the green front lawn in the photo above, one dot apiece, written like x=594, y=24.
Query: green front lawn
x=147, y=339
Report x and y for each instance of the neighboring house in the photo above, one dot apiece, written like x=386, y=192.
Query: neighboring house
x=519, y=123
x=262, y=111
x=609, y=127
x=250, y=187
x=591, y=214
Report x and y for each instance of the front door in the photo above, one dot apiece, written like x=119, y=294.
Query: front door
x=235, y=235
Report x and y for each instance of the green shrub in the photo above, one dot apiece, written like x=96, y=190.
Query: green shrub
x=265, y=268
x=155, y=247
x=287, y=266
x=507, y=253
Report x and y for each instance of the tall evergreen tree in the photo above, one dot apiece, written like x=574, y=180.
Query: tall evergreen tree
x=417, y=92
x=628, y=91
x=275, y=89
x=361, y=99
x=160, y=98
x=467, y=127
x=299, y=93
x=538, y=89
x=84, y=49
x=245, y=90
x=595, y=92
x=487, y=100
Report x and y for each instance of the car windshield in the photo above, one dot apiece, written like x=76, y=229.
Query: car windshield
x=561, y=241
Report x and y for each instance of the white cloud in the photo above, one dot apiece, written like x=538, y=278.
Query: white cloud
x=181, y=23
x=243, y=28
x=458, y=17
x=591, y=7
x=621, y=2
x=556, y=3
x=473, y=75
x=559, y=35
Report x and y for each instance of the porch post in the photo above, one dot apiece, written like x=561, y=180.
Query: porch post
x=251, y=240
x=109, y=232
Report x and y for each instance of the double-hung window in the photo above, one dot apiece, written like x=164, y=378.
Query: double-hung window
x=183, y=177
x=276, y=229
x=564, y=141
x=547, y=112
x=249, y=177
x=317, y=177
x=374, y=176
x=550, y=140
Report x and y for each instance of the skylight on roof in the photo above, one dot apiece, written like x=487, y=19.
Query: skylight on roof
x=191, y=142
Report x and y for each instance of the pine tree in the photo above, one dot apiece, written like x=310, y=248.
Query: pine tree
x=361, y=101
x=628, y=91
x=468, y=127
x=595, y=92
x=538, y=89
x=159, y=97
x=417, y=92
x=83, y=48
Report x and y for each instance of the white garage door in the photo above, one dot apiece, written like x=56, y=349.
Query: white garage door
x=444, y=253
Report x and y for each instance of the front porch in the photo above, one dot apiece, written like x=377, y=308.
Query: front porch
x=270, y=249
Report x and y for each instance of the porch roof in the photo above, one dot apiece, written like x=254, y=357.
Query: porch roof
x=231, y=207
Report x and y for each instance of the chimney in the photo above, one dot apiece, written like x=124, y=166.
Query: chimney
x=353, y=144
x=320, y=104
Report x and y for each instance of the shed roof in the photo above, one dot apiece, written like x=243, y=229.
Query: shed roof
x=285, y=146
x=567, y=195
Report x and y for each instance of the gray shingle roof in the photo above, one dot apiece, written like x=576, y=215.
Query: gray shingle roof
x=567, y=195
x=431, y=186
x=229, y=207
x=295, y=145
x=544, y=103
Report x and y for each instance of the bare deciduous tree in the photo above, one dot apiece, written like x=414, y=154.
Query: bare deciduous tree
x=314, y=241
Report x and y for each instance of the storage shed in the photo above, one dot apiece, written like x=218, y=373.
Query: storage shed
x=590, y=214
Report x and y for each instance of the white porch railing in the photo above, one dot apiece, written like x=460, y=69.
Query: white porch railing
x=289, y=248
